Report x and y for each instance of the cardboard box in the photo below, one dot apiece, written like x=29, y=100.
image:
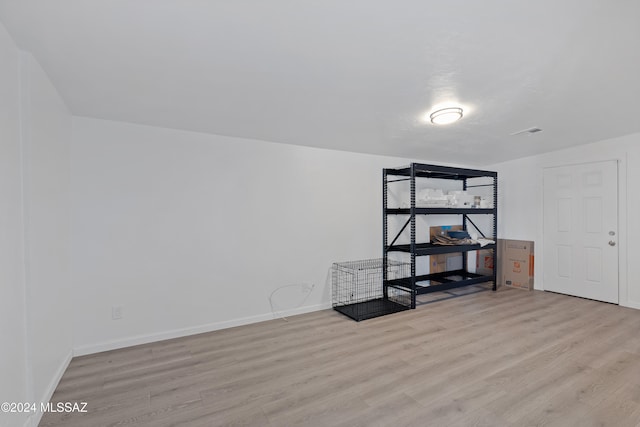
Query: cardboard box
x=515, y=259
x=444, y=262
x=484, y=262
x=442, y=230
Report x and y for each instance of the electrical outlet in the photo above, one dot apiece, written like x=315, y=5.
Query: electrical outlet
x=116, y=312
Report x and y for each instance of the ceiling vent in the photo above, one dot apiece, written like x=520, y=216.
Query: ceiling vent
x=530, y=130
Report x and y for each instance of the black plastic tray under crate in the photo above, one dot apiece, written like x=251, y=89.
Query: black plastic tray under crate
x=370, y=309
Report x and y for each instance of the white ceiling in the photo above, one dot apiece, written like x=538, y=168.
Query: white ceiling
x=355, y=75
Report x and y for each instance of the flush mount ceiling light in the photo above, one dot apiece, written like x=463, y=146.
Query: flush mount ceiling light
x=444, y=116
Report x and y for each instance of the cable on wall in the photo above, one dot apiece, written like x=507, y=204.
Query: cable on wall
x=305, y=288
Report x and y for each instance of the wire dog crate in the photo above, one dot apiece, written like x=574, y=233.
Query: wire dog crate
x=357, y=290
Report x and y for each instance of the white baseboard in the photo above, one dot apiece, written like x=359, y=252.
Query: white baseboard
x=176, y=333
x=631, y=304
x=35, y=418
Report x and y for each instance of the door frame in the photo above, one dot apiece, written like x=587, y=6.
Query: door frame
x=621, y=161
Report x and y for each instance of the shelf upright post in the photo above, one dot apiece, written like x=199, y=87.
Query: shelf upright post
x=413, y=235
x=385, y=252
x=495, y=233
x=465, y=256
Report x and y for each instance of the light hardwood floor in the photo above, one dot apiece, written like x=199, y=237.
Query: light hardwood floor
x=510, y=358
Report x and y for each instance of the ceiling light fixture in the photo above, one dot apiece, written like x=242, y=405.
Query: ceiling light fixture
x=445, y=116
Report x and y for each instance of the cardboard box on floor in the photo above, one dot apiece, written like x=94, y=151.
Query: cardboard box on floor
x=515, y=263
x=515, y=259
x=444, y=262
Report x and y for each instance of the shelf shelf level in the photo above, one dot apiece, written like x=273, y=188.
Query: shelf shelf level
x=440, y=211
x=422, y=249
x=438, y=282
x=439, y=172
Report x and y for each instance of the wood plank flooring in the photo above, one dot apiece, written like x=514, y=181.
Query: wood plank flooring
x=510, y=358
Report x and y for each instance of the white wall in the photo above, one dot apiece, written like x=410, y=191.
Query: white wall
x=13, y=369
x=35, y=306
x=190, y=232
x=520, y=203
x=46, y=130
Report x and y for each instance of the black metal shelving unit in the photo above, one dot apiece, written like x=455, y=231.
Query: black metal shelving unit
x=435, y=282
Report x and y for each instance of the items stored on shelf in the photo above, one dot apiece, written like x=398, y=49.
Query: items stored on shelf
x=438, y=198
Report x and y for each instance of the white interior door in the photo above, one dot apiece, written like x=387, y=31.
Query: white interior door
x=581, y=230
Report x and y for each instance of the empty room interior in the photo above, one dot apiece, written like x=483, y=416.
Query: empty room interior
x=337, y=213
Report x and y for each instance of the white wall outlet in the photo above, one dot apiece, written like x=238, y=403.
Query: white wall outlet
x=116, y=312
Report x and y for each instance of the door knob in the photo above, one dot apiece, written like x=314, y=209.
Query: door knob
x=612, y=243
